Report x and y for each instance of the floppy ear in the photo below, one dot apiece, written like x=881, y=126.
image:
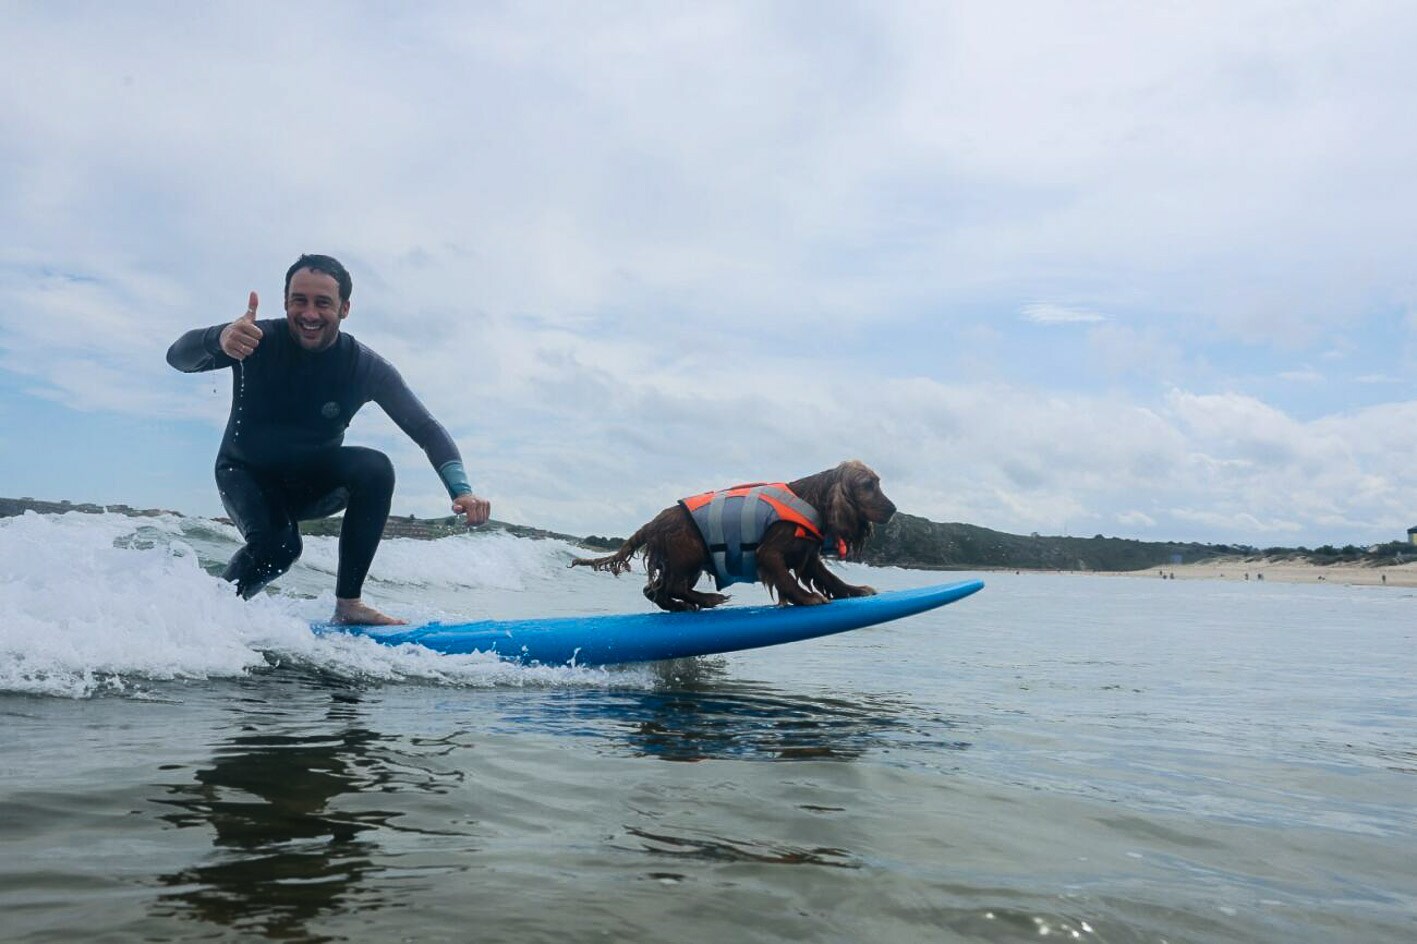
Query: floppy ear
x=843, y=518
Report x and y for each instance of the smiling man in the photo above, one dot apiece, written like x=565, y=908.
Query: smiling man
x=296, y=384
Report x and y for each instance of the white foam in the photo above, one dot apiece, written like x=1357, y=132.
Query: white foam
x=480, y=561
x=81, y=613
x=95, y=603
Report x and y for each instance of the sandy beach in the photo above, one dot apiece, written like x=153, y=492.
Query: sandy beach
x=1240, y=569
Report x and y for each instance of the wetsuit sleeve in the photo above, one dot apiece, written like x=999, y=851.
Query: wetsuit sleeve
x=199, y=349
x=393, y=395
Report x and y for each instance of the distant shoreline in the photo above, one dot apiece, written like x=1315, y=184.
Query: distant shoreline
x=1240, y=570
x=1245, y=570
x=919, y=544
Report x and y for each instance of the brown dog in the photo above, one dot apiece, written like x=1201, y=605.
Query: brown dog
x=765, y=532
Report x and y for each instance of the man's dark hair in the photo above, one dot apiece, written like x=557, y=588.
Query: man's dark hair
x=326, y=264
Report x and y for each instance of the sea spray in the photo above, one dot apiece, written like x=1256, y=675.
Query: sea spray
x=83, y=610
x=108, y=603
x=493, y=561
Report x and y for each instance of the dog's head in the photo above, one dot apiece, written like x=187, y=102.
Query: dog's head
x=855, y=501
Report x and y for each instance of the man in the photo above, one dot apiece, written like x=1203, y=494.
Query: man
x=295, y=387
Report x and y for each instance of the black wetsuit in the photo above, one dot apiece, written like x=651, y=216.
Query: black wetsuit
x=282, y=459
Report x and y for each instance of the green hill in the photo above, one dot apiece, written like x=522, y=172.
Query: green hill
x=905, y=541
x=910, y=541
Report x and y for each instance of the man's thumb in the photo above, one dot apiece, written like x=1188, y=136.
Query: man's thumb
x=251, y=308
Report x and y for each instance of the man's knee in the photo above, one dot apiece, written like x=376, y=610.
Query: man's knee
x=370, y=471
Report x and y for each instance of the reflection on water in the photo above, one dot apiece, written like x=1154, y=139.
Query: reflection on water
x=688, y=725
x=291, y=848
x=284, y=852
x=717, y=849
x=700, y=714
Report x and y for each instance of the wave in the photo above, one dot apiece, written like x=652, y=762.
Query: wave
x=108, y=604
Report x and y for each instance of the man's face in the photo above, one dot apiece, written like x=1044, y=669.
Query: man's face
x=313, y=309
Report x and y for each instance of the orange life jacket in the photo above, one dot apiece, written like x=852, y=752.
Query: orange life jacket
x=732, y=522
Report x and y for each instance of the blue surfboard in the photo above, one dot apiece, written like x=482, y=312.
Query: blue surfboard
x=612, y=639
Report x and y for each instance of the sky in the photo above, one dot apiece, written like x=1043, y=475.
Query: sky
x=1141, y=270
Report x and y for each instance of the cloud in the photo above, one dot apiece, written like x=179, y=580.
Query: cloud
x=1239, y=523
x=683, y=246
x=1047, y=314
x=1124, y=350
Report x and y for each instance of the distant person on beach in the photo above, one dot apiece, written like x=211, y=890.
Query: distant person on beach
x=296, y=384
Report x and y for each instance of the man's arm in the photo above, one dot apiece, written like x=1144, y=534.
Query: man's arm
x=411, y=416
x=199, y=349
x=218, y=346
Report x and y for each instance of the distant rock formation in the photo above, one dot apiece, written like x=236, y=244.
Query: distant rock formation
x=10, y=507
x=904, y=541
x=910, y=541
x=407, y=526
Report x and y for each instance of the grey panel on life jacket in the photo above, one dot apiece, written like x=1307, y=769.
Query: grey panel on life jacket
x=733, y=525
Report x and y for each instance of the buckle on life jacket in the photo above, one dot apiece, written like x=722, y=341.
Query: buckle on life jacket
x=841, y=547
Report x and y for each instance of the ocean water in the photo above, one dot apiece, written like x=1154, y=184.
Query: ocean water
x=1060, y=756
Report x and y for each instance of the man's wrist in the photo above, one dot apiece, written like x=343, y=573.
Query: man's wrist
x=454, y=478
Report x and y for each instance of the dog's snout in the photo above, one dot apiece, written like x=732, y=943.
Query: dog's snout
x=880, y=510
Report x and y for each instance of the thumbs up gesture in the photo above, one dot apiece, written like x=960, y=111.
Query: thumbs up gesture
x=240, y=338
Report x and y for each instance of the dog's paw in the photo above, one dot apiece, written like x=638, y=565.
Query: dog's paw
x=806, y=599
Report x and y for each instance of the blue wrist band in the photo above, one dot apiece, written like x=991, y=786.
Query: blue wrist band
x=454, y=477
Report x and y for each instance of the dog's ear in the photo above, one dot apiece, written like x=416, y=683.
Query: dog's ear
x=843, y=518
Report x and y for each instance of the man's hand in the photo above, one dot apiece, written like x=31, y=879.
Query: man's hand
x=475, y=510
x=240, y=338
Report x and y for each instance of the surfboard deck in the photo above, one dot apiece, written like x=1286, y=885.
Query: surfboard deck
x=613, y=639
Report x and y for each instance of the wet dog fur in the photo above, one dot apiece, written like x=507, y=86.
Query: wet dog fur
x=848, y=499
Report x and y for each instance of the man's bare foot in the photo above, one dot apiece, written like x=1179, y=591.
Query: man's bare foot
x=356, y=613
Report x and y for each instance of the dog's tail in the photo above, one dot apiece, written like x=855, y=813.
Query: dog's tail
x=616, y=563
